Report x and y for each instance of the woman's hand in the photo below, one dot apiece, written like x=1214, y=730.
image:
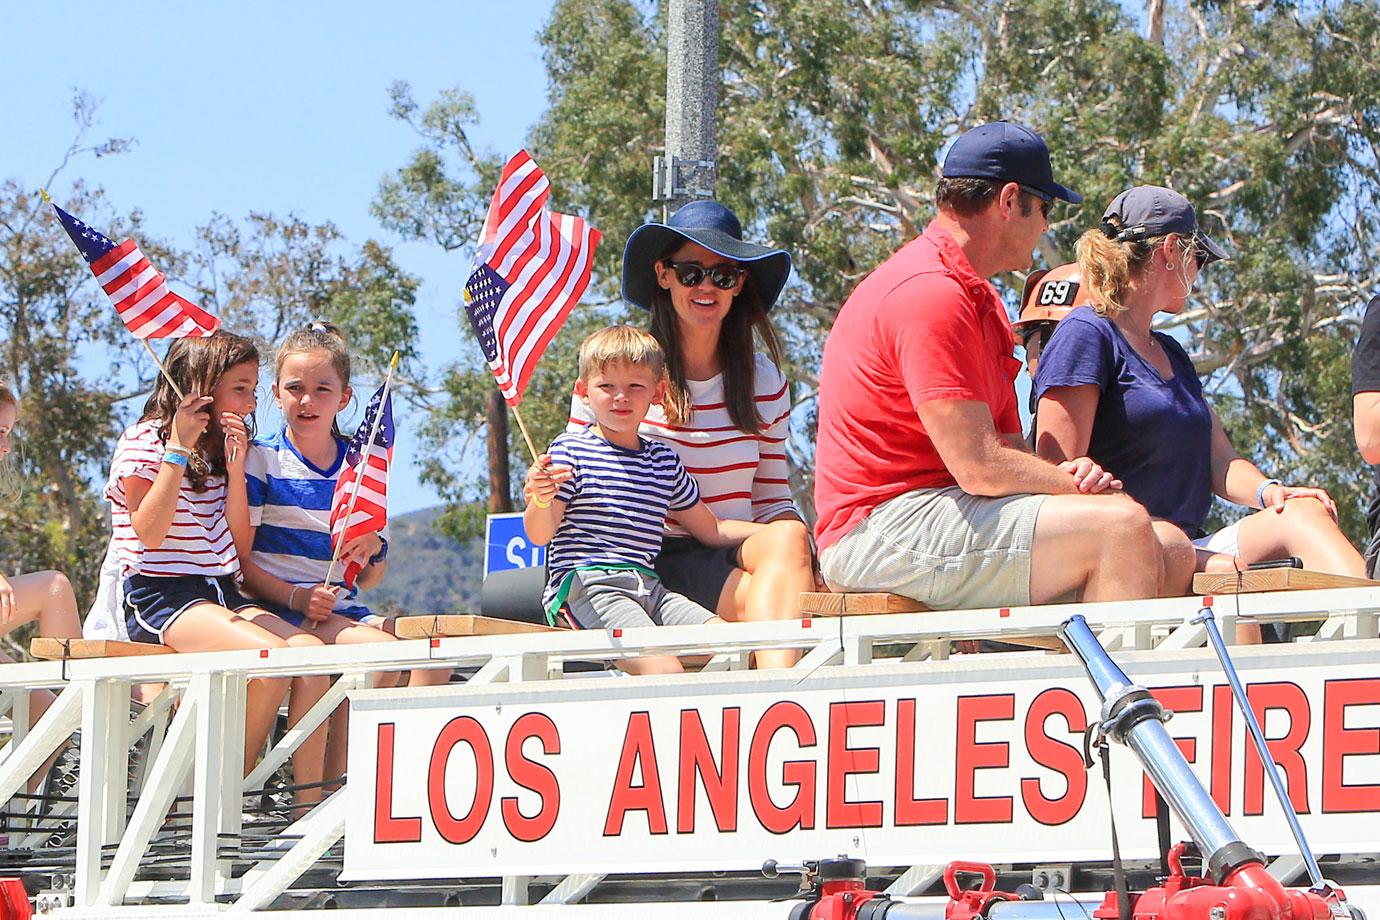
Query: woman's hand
x=236, y=441
x=544, y=480
x=362, y=548
x=1276, y=495
x=6, y=601
x=1089, y=477
x=190, y=421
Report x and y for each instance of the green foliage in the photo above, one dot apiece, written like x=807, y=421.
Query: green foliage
x=441, y=196
x=263, y=278
x=429, y=571
x=833, y=114
x=50, y=314
x=272, y=275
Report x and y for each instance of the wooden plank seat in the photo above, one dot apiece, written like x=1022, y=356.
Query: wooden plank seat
x=57, y=649
x=867, y=603
x=446, y=625
x=832, y=604
x=1249, y=582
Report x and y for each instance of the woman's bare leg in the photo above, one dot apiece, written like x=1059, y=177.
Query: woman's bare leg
x=777, y=568
x=1178, y=558
x=1303, y=529
x=309, y=760
x=48, y=598
x=417, y=677
x=212, y=628
x=339, y=630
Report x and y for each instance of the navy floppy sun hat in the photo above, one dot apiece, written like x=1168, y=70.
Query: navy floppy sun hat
x=717, y=229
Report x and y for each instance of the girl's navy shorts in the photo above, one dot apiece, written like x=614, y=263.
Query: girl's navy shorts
x=153, y=602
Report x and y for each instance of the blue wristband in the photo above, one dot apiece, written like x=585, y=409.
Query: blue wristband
x=174, y=458
x=381, y=555
x=1260, y=491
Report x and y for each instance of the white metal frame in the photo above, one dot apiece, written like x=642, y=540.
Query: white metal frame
x=204, y=739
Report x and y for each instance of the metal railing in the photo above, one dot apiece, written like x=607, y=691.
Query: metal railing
x=190, y=736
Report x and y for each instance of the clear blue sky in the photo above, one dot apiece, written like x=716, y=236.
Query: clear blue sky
x=268, y=106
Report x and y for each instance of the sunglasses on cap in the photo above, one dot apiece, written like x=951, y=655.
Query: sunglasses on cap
x=690, y=274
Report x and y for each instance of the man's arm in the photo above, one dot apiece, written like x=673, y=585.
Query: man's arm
x=1365, y=409
x=981, y=461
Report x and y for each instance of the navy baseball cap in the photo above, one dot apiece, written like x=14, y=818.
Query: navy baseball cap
x=1148, y=211
x=1006, y=153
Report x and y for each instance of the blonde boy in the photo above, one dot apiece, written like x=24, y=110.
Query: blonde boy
x=600, y=498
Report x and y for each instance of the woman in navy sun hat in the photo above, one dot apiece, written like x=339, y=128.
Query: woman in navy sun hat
x=727, y=410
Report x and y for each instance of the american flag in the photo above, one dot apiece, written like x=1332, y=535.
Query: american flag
x=366, y=462
x=530, y=270
x=137, y=289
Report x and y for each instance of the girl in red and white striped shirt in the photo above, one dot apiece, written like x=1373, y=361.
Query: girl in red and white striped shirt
x=168, y=489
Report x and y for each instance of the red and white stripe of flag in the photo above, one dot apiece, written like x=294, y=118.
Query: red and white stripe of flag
x=545, y=257
x=142, y=298
x=370, y=514
x=371, y=507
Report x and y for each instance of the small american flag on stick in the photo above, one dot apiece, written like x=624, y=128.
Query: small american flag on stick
x=359, y=505
x=530, y=270
x=138, y=290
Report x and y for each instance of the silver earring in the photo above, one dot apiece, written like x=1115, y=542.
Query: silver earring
x=1169, y=266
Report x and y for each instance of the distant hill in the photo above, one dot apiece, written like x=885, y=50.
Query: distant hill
x=428, y=572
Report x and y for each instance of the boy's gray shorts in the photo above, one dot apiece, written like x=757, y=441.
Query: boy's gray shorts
x=943, y=547
x=627, y=599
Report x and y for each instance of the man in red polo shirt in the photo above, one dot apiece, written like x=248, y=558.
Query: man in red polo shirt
x=924, y=486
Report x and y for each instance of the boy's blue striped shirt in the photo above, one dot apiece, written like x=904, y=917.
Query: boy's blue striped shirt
x=616, y=503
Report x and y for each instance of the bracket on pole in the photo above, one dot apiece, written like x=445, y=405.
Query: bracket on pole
x=670, y=178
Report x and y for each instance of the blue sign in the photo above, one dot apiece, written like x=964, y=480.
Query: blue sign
x=506, y=545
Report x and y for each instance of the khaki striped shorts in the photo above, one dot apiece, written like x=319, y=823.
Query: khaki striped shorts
x=943, y=547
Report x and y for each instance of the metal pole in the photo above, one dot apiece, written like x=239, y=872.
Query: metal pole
x=1209, y=622
x=1131, y=716
x=687, y=170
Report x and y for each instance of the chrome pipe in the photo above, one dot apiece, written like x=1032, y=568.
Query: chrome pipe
x=1131, y=716
x=1238, y=691
x=1054, y=907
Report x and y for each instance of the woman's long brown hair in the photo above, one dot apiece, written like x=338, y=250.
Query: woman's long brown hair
x=745, y=324
x=196, y=364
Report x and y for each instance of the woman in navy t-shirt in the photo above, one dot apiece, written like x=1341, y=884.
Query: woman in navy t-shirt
x=1114, y=390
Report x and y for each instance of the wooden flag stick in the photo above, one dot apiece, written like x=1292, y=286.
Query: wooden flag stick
x=359, y=479
x=166, y=376
x=525, y=436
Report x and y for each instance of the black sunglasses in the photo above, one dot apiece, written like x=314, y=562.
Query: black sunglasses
x=690, y=274
x=1046, y=201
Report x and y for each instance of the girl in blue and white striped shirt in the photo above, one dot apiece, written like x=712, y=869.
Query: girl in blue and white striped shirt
x=290, y=478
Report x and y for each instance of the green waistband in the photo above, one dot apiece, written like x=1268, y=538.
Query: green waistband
x=563, y=591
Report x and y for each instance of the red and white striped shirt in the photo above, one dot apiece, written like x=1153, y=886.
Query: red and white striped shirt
x=199, y=540
x=742, y=477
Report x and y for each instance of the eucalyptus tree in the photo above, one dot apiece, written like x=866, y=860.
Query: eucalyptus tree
x=834, y=114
